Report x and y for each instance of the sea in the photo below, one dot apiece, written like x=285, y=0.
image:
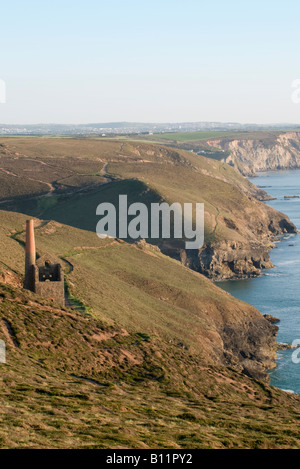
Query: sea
x=277, y=290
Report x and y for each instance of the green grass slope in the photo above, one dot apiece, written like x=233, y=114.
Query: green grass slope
x=166, y=174
x=79, y=174
x=142, y=290
x=154, y=360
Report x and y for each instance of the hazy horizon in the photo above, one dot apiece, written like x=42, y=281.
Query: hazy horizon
x=244, y=124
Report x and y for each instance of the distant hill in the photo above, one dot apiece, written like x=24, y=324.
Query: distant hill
x=130, y=128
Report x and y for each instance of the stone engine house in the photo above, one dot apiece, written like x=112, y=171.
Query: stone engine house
x=43, y=276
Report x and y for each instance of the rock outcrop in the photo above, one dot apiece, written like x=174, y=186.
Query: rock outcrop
x=250, y=156
x=241, y=258
x=228, y=260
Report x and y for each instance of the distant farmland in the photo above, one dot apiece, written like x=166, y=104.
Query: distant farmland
x=189, y=136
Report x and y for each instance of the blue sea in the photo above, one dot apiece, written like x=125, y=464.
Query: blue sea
x=277, y=291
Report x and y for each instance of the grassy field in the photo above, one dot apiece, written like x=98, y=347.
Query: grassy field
x=150, y=366
x=190, y=136
x=202, y=136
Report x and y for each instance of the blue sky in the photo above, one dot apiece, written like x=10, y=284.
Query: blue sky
x=158, y=61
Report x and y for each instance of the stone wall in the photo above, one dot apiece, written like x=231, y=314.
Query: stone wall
x=54, y=290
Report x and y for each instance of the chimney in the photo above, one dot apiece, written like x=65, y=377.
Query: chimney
x=30, y=256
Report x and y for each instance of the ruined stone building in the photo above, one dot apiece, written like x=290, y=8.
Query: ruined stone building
x=43, y=276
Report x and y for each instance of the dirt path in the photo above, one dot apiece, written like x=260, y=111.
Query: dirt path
x=9, y=333
x=71, y=266
x=103, y=173
x=9, y=172
x=51, y=187
x=217, y=219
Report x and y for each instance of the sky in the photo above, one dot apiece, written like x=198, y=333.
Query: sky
x=84, y=61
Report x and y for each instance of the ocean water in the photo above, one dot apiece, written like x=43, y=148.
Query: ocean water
x=277, y=291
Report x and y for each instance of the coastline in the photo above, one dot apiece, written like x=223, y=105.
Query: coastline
x=275, y=291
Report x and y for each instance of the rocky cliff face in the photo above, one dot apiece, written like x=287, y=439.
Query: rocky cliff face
x=241, y=258
x=229, y=260
x=250, y=156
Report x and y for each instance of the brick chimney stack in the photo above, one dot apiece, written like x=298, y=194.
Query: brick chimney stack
x=30, y=256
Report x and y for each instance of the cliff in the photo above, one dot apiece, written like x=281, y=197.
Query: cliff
x=241, y=256
x=251, y=155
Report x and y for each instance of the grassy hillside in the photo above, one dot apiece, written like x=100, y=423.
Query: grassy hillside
x=80, y=174
x=38, y=166
x=153, y=360
x=165, y=174
x=137, y=287
x=141, y=394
